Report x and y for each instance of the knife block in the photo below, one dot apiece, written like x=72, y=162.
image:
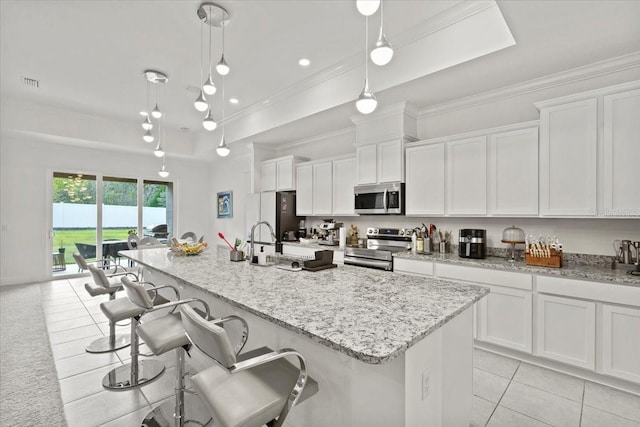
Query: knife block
x=553, y=261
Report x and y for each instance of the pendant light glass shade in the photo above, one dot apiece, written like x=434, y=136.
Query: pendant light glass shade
x=148, y=137
x=367, y=7
x=222, y=68
x=156, y=113
x=209, y=87
x=163, y=172
x=208, y=123
x=383, y=52
x=223, y=150
x=367, y=101
x=146, y=124
x=201, y=103
x=159, y=151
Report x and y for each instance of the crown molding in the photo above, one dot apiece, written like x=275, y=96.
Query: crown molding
x=318, y=138
x=562, y=78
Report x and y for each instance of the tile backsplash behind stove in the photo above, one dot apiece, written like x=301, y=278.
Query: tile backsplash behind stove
x=578, y=236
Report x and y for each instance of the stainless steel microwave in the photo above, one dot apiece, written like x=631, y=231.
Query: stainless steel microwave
x=380, y=199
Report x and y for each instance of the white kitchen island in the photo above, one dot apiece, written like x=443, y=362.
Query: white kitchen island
x=386, y=350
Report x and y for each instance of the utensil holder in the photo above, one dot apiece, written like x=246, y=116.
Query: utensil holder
x=554, y=260
x=236, y=255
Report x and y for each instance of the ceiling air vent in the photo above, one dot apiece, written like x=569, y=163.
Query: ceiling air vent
x=29, y=82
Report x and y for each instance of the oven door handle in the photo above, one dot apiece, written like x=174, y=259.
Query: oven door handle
x=385, y=265
x=385, y=199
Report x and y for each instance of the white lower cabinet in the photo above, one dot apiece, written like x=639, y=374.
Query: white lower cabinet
x=566, y=330
x=504, y=318
x=621, y=342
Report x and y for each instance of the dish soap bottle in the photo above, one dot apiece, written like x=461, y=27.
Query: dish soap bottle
x=262, y=256
x=414, y=242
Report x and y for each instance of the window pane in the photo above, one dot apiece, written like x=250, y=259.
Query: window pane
x=157, y=212
x=119, y=214
x=74, y=217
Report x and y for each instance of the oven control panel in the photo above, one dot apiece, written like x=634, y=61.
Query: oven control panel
x=401, y=233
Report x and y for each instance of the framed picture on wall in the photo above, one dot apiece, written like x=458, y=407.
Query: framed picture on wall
x=225, y=204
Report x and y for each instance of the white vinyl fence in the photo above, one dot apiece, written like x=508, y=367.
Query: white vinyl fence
x=71, y=215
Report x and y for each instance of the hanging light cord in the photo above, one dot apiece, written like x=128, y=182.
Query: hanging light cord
x=201, y=48
x=366, y=55
x=209, y=40
x=223, y=101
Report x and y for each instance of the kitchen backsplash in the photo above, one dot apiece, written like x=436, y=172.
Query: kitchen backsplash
x=578, y=236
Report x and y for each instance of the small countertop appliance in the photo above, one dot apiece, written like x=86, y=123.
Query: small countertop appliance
x=331, y=231
x=472, y=243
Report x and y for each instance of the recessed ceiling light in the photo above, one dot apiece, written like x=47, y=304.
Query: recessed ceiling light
x=233, y=100
x=304, y=62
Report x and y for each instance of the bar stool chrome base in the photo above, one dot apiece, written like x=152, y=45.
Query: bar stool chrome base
x=109, y=344
x=164, y=415
x=124, y=377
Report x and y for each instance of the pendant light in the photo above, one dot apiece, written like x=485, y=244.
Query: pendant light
x=222, y=149
x=159, y=151
x=367, y=101
x=201, y=103
x=146, y=123
x=209, y=87
x=209, y=123
x=383, y=52
x=148, y=137
x=222, y=68
x=156, y=113
x=367, y=7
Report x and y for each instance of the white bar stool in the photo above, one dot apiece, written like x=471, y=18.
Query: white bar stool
x=260, y=388
x=104, y=284
x=161, y=335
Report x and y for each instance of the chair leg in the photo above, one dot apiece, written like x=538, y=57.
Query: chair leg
x=112, y=342
x=136, y=373
x=174, y=413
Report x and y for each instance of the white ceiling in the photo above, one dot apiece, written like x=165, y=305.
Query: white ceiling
x=89, y=55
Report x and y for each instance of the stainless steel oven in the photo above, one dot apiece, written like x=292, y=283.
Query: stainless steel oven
x=381, y=245
x=379, y=199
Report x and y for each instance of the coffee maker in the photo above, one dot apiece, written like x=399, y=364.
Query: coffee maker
x=472, y=243
x=331, y=232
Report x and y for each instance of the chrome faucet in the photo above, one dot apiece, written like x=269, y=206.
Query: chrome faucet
x=253, y=229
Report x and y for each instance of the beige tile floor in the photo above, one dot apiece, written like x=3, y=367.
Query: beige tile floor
x=507, y=392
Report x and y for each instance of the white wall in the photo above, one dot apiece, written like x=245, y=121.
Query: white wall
x=232, y=173
x=25, y=197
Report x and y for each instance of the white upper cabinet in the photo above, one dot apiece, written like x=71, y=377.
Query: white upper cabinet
x=279, y=174
x=268, y=176
x=467, y=176
x=322, y=189
x=326, y=187
x=381, y=162
x=513, y=173
x=425, y=180
x=621, y=154
x=568, y=149
x=367, y=164
x=304, y=193
x=390, y=161
x=344, y=179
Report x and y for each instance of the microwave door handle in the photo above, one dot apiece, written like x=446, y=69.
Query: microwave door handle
x=385, y=198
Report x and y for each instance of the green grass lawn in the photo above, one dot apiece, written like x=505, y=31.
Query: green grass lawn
x=68, y=239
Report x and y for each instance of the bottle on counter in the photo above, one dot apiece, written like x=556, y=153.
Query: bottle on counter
x=414, y=242
x=419, y=244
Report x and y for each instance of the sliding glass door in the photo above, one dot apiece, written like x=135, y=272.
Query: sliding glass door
x=94, y=214
x=74, y=220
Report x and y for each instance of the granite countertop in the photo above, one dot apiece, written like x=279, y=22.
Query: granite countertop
x=370, y=315
x=599, y=273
